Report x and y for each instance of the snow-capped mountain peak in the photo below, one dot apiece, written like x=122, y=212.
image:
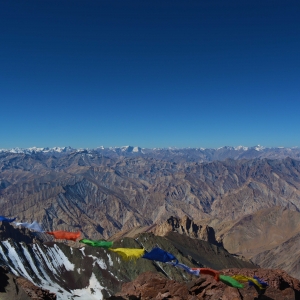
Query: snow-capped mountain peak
x=241, y=148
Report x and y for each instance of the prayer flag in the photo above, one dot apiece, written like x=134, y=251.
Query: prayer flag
x=65, y=235
x=101, y=243
x=127, y=253
x=208, y=271
x=3, y=219
x=260, y=281
x=184, y=267
x=33, y=226
x=230, y=281
x=159, y=255
x=252, y=281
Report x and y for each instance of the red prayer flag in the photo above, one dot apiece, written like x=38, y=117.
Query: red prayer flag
x=65, y=235
x=208, y=271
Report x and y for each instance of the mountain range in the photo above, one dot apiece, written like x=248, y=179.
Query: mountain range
x=244, y=200
x=173, y=153
x=102, y=195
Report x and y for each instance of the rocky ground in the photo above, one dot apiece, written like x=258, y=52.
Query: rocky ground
x=154, y=286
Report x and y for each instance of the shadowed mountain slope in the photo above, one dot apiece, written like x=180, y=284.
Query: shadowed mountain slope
x=18, y=288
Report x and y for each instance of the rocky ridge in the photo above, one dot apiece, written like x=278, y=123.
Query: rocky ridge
x=153, y=286
x=78, y=271
x=185, y=226
x=19, y=288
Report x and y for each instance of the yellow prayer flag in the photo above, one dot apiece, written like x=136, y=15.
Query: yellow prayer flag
x=127, y=253
x=243, y=278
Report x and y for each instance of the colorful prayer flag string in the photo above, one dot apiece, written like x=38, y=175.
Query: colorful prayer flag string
x=156, y=254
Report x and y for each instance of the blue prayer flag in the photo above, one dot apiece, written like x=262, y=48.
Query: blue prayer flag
x=159, y=255
x=3, y=219
x=185, y=267
x=260, y=281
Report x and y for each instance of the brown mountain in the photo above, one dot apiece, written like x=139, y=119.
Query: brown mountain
x=260, y=231
x=101, y=195
x=284, y=256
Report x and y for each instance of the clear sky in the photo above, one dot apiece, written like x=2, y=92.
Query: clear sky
x=154, y=73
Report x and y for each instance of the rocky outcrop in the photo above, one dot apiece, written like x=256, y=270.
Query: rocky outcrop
x=19, y=288
x=188, y=227
x=193, y=252
x=154, y=286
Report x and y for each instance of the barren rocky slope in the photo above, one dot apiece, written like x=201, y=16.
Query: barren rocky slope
x=284, y=256
x=269, y=237
x=102, y=195
x=259, y=231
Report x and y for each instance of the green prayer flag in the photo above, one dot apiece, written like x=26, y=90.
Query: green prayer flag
x=230, y=281
x=101, y=243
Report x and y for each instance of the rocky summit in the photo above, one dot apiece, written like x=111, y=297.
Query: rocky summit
x=154, y=286
x=19, y=288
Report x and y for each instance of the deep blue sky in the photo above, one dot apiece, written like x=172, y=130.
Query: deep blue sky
x=149, y=73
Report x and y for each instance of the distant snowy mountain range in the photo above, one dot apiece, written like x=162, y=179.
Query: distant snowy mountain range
x=136, y=149
x=70, y=149
x=168, y=154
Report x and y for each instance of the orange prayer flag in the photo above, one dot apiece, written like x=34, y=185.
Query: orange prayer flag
x=208, y=271
x=65, y=235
